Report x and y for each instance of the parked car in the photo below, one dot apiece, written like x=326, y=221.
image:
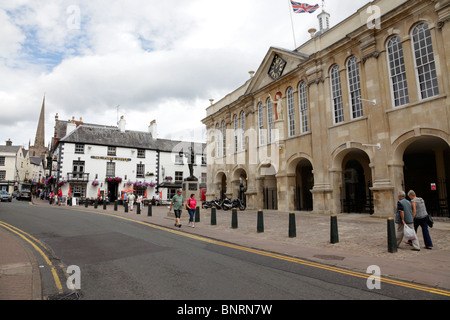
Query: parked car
x=5, y=196
x=15, y=194
x=24, y=195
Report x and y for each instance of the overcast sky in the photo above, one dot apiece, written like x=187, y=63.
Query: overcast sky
x=159, y=60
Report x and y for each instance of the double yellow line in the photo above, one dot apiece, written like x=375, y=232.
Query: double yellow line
x=37, y=245
x=287, y=258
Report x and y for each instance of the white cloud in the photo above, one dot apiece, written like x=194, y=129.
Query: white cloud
x=158, y=60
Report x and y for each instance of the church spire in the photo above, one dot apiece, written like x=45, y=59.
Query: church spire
x=39, y=141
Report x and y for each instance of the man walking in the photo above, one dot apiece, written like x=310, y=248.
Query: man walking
x=404, y=216
x=177, y=204
x=131, y=198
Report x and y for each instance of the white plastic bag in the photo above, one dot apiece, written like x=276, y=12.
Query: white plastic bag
x=409, y=233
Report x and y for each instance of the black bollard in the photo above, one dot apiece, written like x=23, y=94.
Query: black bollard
x=115, y=205
x=126, y=206
x=234, y=219
x=138, y=208
x=149, y=213
x=86, y=203
x=392, y=240
x=213, y=216
x=292, y=226
x=96, y=204
x=104, y=204
x=260, y=222
x=334, y=235
x=197, y=214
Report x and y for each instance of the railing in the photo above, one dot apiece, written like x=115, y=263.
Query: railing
x=77, y=177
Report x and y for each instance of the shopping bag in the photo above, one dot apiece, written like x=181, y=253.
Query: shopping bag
x=409, y=233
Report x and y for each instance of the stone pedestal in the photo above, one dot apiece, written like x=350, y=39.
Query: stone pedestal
x=190, y=186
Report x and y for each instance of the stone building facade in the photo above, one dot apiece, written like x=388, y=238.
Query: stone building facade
x=345, y=121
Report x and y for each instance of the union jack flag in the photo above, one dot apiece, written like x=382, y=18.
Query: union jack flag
x=303, y=7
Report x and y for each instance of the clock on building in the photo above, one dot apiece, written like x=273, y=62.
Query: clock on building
x=277, y=67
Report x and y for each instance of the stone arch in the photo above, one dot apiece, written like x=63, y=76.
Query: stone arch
x=353, y=179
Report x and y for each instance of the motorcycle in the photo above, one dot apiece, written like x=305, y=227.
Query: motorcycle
x=214, y=203
x=237, y=203
x=225, y=204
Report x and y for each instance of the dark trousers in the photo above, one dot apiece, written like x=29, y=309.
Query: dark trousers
x=423, y=223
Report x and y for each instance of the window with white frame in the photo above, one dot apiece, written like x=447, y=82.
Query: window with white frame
x=354, y=87
x=425, y=64
x=178, y=176
x=179, y=158
x=291, y=112
x=110, y=169
x=397, y=71
x=2, y=161
x=236, y=127
x=242, y=130
x=111, y=151
x=218, y=139
x=336, y=93
x=261, y=123
x=224, y=139
x=79, y=148
x=140, y=170
x=2, y=174
x=303, y=104
x=269, y=121
x=141, y=153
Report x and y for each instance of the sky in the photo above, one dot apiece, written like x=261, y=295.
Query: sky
x=142, y=59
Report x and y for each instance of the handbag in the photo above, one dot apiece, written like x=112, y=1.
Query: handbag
x=409, y=233
x=430, y=221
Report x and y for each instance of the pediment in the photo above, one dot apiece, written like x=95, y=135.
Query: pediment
x=276, y=64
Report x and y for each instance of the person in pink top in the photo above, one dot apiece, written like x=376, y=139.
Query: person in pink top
x=190, y=206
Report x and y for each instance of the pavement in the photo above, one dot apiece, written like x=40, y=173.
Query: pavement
x=362, y=243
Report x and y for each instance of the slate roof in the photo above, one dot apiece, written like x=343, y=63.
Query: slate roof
x=112, y=136
x=36, y=160
x=9, y=149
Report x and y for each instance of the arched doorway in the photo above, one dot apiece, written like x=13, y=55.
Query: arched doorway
x=426, y=170
x=357, y=179
x=304, y=183
x=223, y=187
x=269, y=186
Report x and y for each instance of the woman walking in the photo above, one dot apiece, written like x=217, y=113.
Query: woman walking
x=190, y=206
x=420, y=218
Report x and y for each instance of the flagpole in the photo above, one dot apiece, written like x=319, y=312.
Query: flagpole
x=292, y=23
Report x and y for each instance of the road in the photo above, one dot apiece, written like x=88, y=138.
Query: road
x=119, y=259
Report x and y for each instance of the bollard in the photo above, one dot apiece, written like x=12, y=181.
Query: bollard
x=334, y=235
x=149, y=213
x=104, y=205
x=115, y=205
x=292, y=226
x=138, y=208
x=96, y=204
x=213, y=216
x=260, y=222
x=392, y=240
x=234, y=219
x=197, y=214
x=125, y=205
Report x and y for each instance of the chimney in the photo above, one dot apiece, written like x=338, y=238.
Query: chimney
x=71, y=126
x=122, y=124
x=152, y=129
x=9, y=143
